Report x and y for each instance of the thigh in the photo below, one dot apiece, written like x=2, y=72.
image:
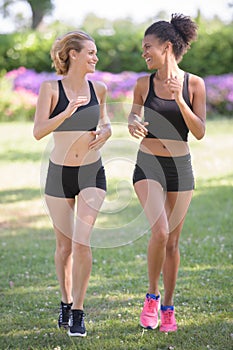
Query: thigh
x=92, y=175
x=177, y=204
x=152, y=199
x=61, y=181
x=149, y=167
x=61, y=211
x=89, y=203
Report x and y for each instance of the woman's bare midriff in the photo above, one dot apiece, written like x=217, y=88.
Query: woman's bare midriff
x=164, y=148
x=71, y=148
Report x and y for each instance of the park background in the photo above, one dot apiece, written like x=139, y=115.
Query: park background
x=28, y=286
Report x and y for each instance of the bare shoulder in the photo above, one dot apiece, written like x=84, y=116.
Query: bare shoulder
x=99, y=86
x=143, y=81
x=49, y=83
x=141, y=89
x=196, y=86
x=100, y=90
x=49, y=86
x=195, y=81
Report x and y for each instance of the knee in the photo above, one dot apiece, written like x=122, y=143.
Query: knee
x=80, y=248
x=172, y=247
x=63, y=250
x=160, y=236
x=81, y=252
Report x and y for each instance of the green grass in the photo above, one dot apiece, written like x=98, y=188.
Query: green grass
x=29, y=293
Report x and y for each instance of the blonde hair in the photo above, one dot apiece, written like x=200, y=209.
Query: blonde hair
x=62, y=46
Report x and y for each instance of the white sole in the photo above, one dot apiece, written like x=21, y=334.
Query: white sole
x=76, y=334
x=149, y=326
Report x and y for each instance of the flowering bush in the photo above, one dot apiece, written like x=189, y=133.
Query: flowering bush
x=19, y=89
x=16, y=104
x=119, y=85
x=28, y=79
x=219, y=90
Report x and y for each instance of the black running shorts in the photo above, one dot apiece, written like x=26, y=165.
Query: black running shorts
x=173, y=173
x=67, y=181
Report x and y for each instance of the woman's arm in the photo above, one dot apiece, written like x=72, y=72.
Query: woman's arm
x=42, y=124
x=135, y=125
x=105, y=130
x=195, y=119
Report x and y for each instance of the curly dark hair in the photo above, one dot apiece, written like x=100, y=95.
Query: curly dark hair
x=180, y=31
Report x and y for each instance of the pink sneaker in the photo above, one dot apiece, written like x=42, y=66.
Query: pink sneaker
x=149, y=314
x=168, y=321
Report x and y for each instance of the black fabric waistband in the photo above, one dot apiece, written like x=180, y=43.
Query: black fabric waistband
x=98, y=163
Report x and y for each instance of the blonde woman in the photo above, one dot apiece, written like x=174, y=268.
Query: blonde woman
x=74, y=110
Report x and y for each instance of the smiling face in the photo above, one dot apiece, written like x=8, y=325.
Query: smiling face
x=87, y=57
x=153, y=51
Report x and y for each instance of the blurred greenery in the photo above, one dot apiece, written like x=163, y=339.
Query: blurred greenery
x=15, y=105
x=119, y=46
x=119, y=51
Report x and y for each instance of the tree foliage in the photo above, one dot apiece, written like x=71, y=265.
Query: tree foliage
x=119, y=46
x=38, y=8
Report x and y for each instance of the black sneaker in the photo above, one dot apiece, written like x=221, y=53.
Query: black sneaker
x=64, y=315
x=77, y=326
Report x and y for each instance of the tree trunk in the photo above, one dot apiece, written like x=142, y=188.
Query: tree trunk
x=37, y=17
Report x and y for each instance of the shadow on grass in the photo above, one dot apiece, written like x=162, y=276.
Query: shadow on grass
x=18, y=195
x=20, y=156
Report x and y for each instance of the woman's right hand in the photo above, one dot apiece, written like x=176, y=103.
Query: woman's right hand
x=138, y=129
x=74, y=104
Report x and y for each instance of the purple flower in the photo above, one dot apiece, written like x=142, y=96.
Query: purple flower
x=28, y=79
x=219, y=89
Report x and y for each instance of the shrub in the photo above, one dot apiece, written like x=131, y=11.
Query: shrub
x=120, y=86
x=119, y=46
x=16, y=104
x=19, y=89
x=219, y=90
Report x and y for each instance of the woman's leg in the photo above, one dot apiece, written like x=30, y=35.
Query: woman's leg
x=177, y=204
x=61, y=211
x=152, y=199
x=63, y=263
x=88, y=206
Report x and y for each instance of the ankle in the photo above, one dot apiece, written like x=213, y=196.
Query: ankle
x=153, y=296
x=66, y=304
x=167, y=307
x=167, y=301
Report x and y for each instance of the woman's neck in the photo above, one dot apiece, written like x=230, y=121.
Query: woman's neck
x=75, y=80
x=166, y=73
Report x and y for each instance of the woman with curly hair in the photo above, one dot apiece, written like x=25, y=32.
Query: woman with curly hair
x=167, y=105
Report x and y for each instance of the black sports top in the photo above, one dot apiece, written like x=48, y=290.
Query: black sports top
x=85, y=118
x=164, y=116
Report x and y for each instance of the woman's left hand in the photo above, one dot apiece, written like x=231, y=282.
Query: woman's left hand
x=101, y=137
x=176, y=86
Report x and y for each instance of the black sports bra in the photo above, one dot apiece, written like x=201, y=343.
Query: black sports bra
x=164, y=116
x=85, y=118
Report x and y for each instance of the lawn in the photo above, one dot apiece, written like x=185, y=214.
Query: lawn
x=29, y=293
